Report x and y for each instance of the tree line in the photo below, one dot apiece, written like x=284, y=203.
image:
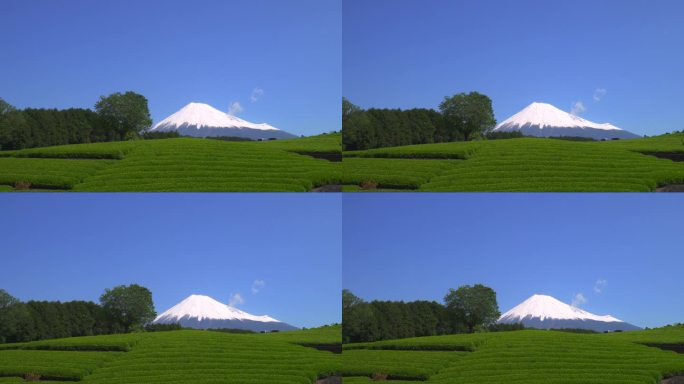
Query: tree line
x=119, y=116
x=121, y=309
x=461, y=117
x=467, y=309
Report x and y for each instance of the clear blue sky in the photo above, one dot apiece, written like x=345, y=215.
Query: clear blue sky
x=412, y=53
x=67, y=53
x=72, y=247
x=417, y=246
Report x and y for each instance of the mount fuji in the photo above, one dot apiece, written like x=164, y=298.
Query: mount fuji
x=545, y=120
x=203, y=312
x=546, y=312
x=203, y=120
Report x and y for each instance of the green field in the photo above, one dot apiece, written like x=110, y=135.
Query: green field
x=186, y=356
x=526, y=164
x=528, y=356
x=179, y=165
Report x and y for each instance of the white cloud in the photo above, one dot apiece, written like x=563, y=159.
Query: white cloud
x=577, y=108
x=256, y=94
x=236, y=299
x=578, y=300
x=600, y=285
x=257, y=285
x=234, y=108
x=599, y=93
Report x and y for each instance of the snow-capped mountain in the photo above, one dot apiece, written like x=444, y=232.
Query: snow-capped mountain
x=203, y=120
x=545, y=120
x=546, y=312
x=203, y=312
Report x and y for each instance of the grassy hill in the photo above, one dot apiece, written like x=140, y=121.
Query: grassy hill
x=525, y=164
x=528, y=356
x=182, y=165
x=187, y=356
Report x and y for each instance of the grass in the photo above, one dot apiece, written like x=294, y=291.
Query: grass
x=186, y=356
x=526, y=164
x=528, y=356
x=179, y=165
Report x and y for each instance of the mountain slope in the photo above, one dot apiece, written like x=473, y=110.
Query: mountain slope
x=203, y=120
x=545, y=120
x=546, y=312
x=203, y=312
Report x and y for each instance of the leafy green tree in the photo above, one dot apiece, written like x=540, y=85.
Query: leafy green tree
x=6, y=299
x=349, y=300
x=348, y=108
x=131, y=305
x=470, y=115
x=473, y=305
x=127, y=113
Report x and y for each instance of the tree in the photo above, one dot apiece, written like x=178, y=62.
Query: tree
x=349, y=300
x=5, y=107
x=473, y=305
x=6, y=299
x=127, y=113
x=469, y=115
x=131, y=306
x=348, y=108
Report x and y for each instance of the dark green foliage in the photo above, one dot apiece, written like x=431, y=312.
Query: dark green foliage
x=376, y=128
x=118, y=117
x=232, y=330
x=37, y=320
x=126, y=112
x=573, y=138
x=153, y=135
x=472, y=305
x=162, y=327
x=229, y=138
x=505, y=327
x=131, y=305
x=383, y=320
x=497, y=135
x=470, y=115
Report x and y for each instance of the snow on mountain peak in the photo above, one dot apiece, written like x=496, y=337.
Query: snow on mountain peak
x=546, y=115
x=547, y=307
x=205, y=307
x=201, y=115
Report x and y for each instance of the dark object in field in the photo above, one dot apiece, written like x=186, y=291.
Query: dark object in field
x=671, y=188
x=674, y=156
x=334, y=157
x=22, y=185
x=679, y=348
x=673, y=380
x=369, y=185
x=328, y=188
x=379, y=377
x=330, y=380
x=32, y=377
x=332, y=348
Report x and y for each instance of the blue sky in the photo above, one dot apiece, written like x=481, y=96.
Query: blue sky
x=627, y=53
x=67, y=53
x=410, y=246
x=72, y=247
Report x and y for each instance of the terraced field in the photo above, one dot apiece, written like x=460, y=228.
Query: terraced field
x=527, y=164
x=181, y=165
x=175, y=357
x=518, y=357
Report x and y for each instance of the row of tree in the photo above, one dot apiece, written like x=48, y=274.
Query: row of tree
x=121, y=309
x=119, y=116
x=460, y=117
x=465, y=310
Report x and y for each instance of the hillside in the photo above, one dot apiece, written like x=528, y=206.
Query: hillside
x=180, y=165
x=174, y=357
x=525, y=164
x=529, y=356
